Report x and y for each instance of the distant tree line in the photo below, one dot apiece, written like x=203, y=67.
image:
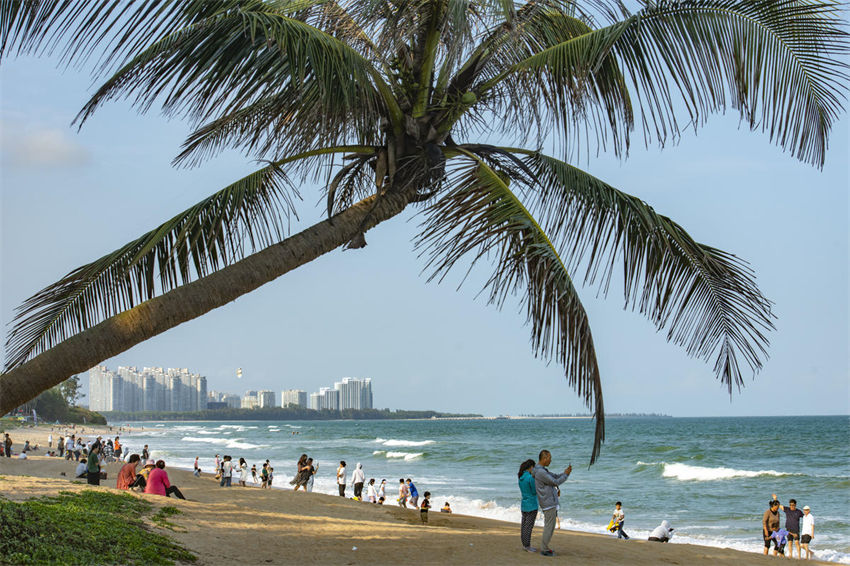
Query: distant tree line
x=277, y=414
x=60, y=404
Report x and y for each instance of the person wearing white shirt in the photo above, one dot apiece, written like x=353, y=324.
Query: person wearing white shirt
x=81, y=470
x=226, y=472
x=371, y=492
x=807, y=532
x=358, y=478
x=340, y=478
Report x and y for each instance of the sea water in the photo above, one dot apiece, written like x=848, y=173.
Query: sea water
x=710, y=477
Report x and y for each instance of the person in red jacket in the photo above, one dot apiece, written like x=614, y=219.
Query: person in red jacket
x=127, y=475
x=158, y=483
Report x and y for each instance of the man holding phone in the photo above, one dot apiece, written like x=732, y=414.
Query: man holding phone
x=547, y=484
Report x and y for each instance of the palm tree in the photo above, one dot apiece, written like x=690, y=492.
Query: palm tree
x=396, y=98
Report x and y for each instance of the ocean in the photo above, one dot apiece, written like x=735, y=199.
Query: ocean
x=710, y=477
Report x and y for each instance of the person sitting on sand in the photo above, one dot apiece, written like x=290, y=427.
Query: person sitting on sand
x=127, y=474
x=80, y=472
x=447, y=508
x=142, y=477
x=158, y=483
x=662, y=533
x=27, y=446
x=424, y=506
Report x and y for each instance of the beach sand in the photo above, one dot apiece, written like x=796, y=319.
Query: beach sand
x=257, y=526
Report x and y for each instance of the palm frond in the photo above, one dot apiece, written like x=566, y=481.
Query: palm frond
x=482, y=217
x=231, y=60
x=111, y=29
x=778, y=63
x=706, y=299
x=250, y=213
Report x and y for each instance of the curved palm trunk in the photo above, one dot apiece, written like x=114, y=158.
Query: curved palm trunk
x=124, y=330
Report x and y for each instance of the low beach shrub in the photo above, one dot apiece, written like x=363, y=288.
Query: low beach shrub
x=87, y=527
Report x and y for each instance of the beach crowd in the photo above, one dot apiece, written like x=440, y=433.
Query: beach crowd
x=539, y=488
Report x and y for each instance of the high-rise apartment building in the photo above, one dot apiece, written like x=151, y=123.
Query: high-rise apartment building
x=250, y=400
x=151, y=389
x=265, y=399
x=316, y=401
x=354, y=393
x=293, y=398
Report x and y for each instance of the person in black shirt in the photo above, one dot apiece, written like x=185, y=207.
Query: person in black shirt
x=792, y=525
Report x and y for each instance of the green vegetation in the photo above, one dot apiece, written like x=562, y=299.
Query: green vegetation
x=161, y=518
x=279, y=414
x=88, y=527
x=59, y=404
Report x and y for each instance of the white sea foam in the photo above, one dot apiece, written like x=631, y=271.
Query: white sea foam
x=204, y=439
x=405, y=455
x=396, y=443
x=234, y=443
x=684, y=472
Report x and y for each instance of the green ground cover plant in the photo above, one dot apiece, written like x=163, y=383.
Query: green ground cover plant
x=87, y=527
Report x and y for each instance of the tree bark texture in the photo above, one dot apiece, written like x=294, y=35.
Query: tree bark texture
x=118, y=333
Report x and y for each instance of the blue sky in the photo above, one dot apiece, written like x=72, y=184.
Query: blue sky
x=68, y=198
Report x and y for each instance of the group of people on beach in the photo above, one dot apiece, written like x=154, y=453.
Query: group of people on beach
x=799, y=528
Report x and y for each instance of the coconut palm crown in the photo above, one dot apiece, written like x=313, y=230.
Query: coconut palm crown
x=390, y=104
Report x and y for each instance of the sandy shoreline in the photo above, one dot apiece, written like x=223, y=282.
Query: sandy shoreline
x=256, y=526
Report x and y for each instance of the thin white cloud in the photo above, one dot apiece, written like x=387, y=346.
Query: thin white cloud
x=40, y=148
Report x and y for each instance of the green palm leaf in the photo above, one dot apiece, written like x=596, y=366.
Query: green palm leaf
x=761, y=57
x=481, y=217
x=233, y=59
x=705, y=298
x=251, y=212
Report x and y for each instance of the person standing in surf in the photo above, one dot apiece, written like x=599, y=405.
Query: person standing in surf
x=528, y=506
x=792, y=525
x=547, y=484
x=808, y=531
x=340, y=478
x=769, y=525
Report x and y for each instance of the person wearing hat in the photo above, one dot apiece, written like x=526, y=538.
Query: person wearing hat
x=808, y=531
x=142, y=477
